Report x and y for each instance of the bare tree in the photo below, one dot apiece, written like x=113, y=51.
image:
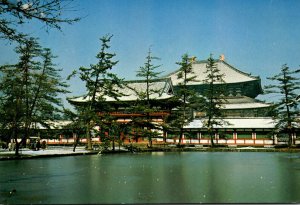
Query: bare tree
x=48, y=12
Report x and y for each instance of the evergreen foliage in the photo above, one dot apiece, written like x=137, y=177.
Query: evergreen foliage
x=143, y=104
x=185, y=96
x=30, y=91
x=213, y=97
x=100, y=83
x=287, y=86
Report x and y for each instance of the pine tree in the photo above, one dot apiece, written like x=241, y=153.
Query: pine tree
x=76, y=126
x=30, y=89
x=11, y=107
x=143, y=104
x=100, y=83
x=287, y=86
x=184, y=95
x=214, y=97
x=20, y=104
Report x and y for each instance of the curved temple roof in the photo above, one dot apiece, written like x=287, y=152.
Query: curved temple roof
x=131, y=90
x=244, y=102
x=232, y=75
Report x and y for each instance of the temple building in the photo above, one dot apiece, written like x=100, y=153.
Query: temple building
x=249, y=121
x=130, y=90
x=242, y=89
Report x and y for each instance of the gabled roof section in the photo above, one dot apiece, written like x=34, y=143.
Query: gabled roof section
x=232, y=75
x=132, y=88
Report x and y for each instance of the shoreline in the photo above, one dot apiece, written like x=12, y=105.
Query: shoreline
x=64, y=152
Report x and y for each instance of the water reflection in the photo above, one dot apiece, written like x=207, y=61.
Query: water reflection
x=189, y=177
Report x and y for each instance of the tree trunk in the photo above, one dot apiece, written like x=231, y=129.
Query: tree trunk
x=120, y=141
x=76, y=142
x=290, y=142
x=149, y=132
x=180, y=136
x=15, y=137
x=113, y=144
x=88, y=137
x=212, y=139
x=150, y=142
x=17, y=148
x=164, y=136
x=18, y=144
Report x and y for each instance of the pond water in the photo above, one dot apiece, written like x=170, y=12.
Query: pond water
x=183, y=177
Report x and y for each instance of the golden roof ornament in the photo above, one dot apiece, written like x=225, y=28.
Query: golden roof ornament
x=192, y=59
x=222, y=57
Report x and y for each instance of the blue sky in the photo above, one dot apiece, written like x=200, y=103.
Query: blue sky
x=256, y=36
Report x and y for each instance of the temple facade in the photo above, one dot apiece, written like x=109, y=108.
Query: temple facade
x=162, y=100
x=249, y=119
x=241, y=89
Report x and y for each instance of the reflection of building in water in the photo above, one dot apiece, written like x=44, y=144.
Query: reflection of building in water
x=249, y=121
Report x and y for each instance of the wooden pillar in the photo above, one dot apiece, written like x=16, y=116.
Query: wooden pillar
x=275, y=139
x=253, y=135
x=164, y=136
x=234, y=136
x=60, y=138
x=216, y=137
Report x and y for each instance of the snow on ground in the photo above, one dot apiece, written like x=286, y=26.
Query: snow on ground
x=48, y=151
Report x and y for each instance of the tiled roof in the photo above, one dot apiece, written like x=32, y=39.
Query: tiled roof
x=232, y=75
x=246, y=105
x=129, y=90
x=244, y=102
x=58, y=124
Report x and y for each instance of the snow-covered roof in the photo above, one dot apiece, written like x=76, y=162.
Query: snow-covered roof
x=232, y=123
x=235, y=123
x=240, y=99
x=245, y=105
x=57, y=124
x=243, y=102
x=232, y=75
x=132, y=88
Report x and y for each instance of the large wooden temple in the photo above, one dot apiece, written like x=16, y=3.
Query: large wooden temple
x=131, y=89
x=241, y=88
x=249, y=121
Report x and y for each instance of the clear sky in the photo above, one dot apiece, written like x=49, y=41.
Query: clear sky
x=256, y=36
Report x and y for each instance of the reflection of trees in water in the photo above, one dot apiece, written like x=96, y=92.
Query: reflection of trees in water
x=175, y=183
x=288, y=178
x=188, y=177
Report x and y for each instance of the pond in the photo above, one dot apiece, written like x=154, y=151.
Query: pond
x=178, y=177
